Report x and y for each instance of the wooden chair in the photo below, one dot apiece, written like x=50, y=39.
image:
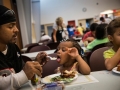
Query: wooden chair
x=97, y=61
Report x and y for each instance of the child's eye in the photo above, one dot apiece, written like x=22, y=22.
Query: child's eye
x=63, y=49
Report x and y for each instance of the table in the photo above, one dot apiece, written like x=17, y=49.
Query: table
x=34, y=54
x=108, y=80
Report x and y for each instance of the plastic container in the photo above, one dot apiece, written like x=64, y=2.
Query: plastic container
x=53, y=86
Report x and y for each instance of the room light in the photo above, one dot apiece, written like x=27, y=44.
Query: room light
x=107, y=12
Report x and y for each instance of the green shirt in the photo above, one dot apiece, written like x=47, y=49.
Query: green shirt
x=109, y=53
x=97, y=42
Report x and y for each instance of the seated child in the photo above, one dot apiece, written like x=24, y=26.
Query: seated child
x=89, y=36
x=69, y=56
x=112, y=56
x=100, y=36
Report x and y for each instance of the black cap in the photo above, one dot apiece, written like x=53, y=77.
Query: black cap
x=6, y=15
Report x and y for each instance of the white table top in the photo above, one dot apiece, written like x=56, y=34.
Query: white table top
x=34, y=54
x=107, y=81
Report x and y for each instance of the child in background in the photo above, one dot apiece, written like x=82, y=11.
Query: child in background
x=100, y=36
x=112, y=56
x=69, y=56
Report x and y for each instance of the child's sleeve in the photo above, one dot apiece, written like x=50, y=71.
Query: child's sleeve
x=108, y=54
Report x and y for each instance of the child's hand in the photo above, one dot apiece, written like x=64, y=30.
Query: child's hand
x=73, y=52
x=41, y=58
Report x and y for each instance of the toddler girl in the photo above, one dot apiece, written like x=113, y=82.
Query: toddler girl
x=69, y=56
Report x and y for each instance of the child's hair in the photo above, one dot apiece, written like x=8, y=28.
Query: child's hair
x=93, y=26
x=113, y=25
x=101, y=31
x=76, y=45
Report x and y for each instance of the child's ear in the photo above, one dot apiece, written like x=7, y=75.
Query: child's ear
x=110, y=38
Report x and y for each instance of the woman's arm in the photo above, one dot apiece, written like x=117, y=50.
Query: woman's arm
x=113, y=62
x=54, y=35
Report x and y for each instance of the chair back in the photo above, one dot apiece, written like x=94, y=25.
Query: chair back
x=25, y=58
x=53, y=45
x=95, y=48
x=97, y=61
x=38, y=48
x=50, y=67
x=99, y=46
x=31, y=44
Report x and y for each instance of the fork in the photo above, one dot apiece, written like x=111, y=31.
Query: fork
x=52, y=58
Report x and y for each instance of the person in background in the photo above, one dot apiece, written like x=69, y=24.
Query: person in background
x=112, y=55
x=107, y=19
x=100, y=36
x=45, y=37
x=90, y=36
x=102, y=20
x=58, y=29
x=70, y=31
x=13, y=73
x=77, y=33
x=80, y=29
x=69, y=55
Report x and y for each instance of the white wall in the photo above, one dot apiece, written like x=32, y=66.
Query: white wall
x=72, y=9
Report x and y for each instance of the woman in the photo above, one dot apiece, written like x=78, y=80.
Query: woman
x=59, y=31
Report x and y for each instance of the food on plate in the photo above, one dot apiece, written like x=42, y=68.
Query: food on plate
x=118, y=67
x=66, y=76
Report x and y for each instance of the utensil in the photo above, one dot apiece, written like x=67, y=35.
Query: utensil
x=52, y=58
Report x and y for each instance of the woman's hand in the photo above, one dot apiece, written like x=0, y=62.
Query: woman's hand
x=73, y=52
x=41, y=58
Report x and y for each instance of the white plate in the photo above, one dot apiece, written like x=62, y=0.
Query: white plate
x=47, y=79
x=115, y=70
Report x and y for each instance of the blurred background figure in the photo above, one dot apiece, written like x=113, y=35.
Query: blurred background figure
x=107, y=19
x=102, y=20
x=58, y=29
x=80, y=29
x=90, y=36
x=45, y=37
x=70, y=31
x=100, y=36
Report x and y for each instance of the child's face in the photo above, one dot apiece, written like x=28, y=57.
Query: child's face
x=116, y=37
x=62, y=53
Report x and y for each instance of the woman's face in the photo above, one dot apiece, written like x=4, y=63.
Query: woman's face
x=62, y=53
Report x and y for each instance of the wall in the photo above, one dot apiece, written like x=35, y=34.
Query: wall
x=72, y=9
